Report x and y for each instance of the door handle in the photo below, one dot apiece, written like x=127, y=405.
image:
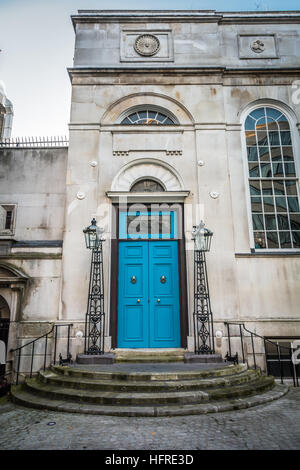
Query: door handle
x=158, y=300
x=138, y=301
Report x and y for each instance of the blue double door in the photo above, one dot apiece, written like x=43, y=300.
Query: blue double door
x=148, y=298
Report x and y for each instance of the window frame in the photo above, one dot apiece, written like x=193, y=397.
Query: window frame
x=292, y=121
x=11, y=231
x=146, y=107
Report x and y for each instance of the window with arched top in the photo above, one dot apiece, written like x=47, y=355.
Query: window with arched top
x=273, y=181
x=148, y=116
x=147, y=185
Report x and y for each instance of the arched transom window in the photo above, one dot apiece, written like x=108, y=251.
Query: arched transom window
x=148, y=116
x=147, y=185
x=272, y=177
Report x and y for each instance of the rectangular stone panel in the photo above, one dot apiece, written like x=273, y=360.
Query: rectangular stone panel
x=129, y=48
x=257, y=46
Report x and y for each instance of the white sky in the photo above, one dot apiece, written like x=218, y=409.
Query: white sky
x=37, y=43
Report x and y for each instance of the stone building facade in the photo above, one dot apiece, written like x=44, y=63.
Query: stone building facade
x=187, y=115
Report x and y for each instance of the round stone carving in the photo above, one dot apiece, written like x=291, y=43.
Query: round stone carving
x=258, y=46
x=147, y=45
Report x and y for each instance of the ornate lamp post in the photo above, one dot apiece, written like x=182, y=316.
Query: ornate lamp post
x=203, y=319
x=95, y=316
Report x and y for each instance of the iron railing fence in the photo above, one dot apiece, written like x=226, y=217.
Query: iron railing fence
x=43, y=350
x=29, y=142
x=281, y=355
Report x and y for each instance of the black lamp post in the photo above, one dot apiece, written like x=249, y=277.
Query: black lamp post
x=203, y=319
x=95, y=316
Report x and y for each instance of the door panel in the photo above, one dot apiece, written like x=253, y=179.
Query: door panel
x=133, y=295
x=164, y=295
x=148, y=303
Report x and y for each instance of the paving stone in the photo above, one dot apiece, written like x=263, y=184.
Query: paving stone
x=274, y=425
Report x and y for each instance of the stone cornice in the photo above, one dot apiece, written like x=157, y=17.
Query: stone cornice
x=196, y=16
x=214, y=71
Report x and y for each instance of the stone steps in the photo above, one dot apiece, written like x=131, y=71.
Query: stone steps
x=149, y=390
x=25, y=398
x=147, y=398
x=199, y=373
x=149, y=356
x=51, y=378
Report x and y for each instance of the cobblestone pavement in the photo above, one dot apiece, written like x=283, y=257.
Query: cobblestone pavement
x=272, y=426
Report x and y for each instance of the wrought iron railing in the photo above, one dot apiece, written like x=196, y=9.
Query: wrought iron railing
x=53, y=141
x=33, y=354
x=283, y=356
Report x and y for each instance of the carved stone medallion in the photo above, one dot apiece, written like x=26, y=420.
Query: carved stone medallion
x=146, y=45
x=258, y=46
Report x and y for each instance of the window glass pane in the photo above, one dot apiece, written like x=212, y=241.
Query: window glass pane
x=293, y=204
x=261, y=124
x=254, y=187
x=274, y=138
x=295, y=221
x=259, y=240
x=279, y=187
x=273, y=113
x=283, y=222
x=133, y=117
x=281, y=204
x=266, y=187
x=277, y=169
x=250, y=138
x=257, y=113
x=142, y=114
x=264, y=153
x=126, y=121
x=268, y=204
x=249, y=124
x=152, y=114
x=272, y=240
x=272, y=125
x=262, y=138
x=286, y=138
x=285, y=240
x=275, y=153
x=270, y=221
x=287, y=153
x=289, y=169
x=253, y=170
x=258, y=221
x=252, y=154
x=265, y=169
x=291, y=188
x=296, y=239
x=256, y=204
x=283, y=124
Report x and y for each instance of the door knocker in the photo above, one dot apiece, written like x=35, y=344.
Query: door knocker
x=133, y=280
x=163, y=279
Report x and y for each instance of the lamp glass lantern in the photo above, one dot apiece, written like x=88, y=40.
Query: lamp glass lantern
x=92, y=236
x=206, y=241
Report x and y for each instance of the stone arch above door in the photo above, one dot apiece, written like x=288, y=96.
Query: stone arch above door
x=153, y=169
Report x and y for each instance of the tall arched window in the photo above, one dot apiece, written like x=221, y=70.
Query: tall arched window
x=272, y=177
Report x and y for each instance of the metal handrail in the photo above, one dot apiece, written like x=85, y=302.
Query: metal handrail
x=33, y=342
x=265, y=340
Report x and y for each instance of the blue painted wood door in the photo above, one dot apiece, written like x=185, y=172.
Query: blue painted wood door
x=148, y=303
